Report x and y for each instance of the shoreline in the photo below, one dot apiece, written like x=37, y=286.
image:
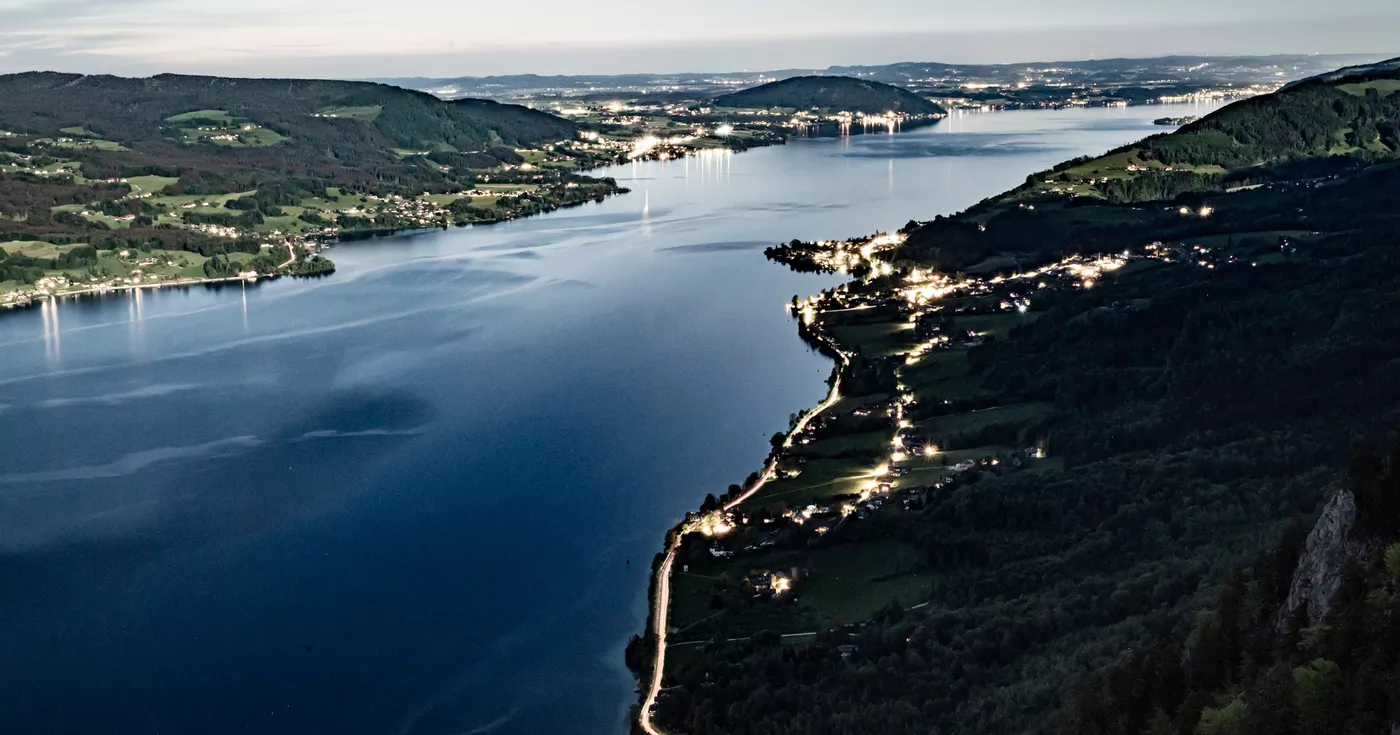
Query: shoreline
x=182, y=282
x=659, y=591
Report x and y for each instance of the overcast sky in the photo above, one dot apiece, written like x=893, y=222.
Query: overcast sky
x=374, y=38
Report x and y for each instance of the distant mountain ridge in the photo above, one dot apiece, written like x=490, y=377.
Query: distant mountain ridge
x=832, y=93
x=889, y=73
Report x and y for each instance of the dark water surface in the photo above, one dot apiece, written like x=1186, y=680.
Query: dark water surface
x=403, y=499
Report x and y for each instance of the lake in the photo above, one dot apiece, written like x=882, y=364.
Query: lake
x=422, y=496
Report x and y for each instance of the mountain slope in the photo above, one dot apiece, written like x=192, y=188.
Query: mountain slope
x=832, y=93
x=1379, y=67
x=1314, y=132
x=1194, y=398
x=309, y=114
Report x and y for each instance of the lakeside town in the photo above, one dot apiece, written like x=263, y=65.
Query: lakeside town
x=796, y=548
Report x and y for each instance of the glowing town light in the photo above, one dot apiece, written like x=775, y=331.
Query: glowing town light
x=1207, y=211
x=724, y=131
x=1185, y=211
x=898, y=457
x=643, y=146
x=930, y=450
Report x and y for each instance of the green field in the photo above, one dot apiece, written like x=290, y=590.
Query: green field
x=85, y=144
x=876, y=339
x=220, y=117
x=869, y=441
x=36, y=249
x=150, y=184
x=237, y=136
x=850, y=582
x=213, y=200
x=821, y=480
x=362, y=114
x=1016, y=413
x=1385, y=87
x=944, y=375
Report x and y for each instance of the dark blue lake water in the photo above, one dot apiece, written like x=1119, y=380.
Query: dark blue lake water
x=421, y=496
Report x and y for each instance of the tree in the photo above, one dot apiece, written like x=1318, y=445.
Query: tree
x=1318, y=690
x=1392, y=560
x=1232, y=719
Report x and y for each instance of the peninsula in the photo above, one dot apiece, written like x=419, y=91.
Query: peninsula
x=1074, y=438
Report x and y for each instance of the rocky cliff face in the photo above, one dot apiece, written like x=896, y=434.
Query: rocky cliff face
x=1328, y=547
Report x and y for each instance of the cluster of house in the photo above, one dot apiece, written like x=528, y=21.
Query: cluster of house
x=775, y=584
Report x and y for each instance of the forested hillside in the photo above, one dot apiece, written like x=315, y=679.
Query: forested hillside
x=329, y=120
x=1197, y=405
x=1304, y=136
x=1250, y=663
x=216, y=166
x=846, y=94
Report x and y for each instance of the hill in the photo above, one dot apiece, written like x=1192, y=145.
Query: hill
x=1388, y=65
x=1313, y=132
x=225, y=167
x=331, y=123
x=1093, y=435
x=834, y=94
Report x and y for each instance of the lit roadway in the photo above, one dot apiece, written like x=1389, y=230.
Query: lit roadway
x=663, y=575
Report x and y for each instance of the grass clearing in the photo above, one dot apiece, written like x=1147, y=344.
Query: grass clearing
x=821, y=480
x=245, y=136
x=35, y=248
x=220, y=117
x=213, y=200
x=868, y=441
x=363, y=114
x=848, y=583
x=1385, y=87
x=150, y=184
x=1016, y=413
x=83, y=144
x=997, y=326
x=877, y=339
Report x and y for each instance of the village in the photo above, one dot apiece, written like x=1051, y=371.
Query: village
x=807, y=542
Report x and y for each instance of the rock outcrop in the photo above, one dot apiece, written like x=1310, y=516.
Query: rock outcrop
x=1319, y=571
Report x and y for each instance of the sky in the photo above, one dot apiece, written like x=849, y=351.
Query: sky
x=447, y=38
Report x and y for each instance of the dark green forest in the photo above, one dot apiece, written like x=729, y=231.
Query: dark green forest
x=1245, y=665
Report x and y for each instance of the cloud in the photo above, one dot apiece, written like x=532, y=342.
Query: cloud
x=442, y=38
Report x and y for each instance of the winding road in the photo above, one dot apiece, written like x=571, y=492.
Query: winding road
x=663, y=574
